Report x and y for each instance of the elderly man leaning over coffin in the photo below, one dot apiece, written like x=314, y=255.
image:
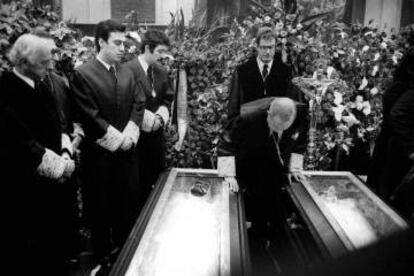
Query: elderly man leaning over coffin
x=261, y=151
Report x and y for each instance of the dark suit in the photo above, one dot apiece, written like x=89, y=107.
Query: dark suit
x=110, y=179
x=247, y=85
x=35, y=217
x=151, y=145
x=262, y=159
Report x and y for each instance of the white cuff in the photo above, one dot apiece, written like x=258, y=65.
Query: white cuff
x=132, y=130
x=78, y=130
x=148, y=121
x=296, y=162
x=66, y=143
x=163, y=112
x=226, y=166
x=112, y=139
x=52, y=166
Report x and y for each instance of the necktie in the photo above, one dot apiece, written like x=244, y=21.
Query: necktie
x=265, y=71
x=151, y=80
x=112, y=70
x=149, y=74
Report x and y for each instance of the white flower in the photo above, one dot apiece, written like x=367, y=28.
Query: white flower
x=350, y=120
x=377, y=56
x=279, y=26
x=338, y=110
x=267, y=19
x=383, y=45
x=374, y=70
x=299, y=27
x=329, y=71
x=366, y=108
x=365, y=48
x=374, y=91
x=364, y=83
x=338, y=98
x=341, y=52
x=359, y=102
x=352, y=50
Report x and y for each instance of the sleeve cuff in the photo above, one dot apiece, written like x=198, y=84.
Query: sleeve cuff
x=112, y=139
x=67, y=144
x=163, y=113
x=78, y=130
x=132, y=130
x=148, y=121
x=226, y=166
x=296, y=162
x=52, y=165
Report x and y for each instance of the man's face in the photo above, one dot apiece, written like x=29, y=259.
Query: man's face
x=113, y=49
x=38, y=67
x=157, y=54
x=266, y=49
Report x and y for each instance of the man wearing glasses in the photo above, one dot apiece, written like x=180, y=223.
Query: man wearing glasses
x=262, y=77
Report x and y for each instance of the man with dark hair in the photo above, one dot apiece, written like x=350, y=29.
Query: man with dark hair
x=111, y=107
x=155, y=82
x=34, y=162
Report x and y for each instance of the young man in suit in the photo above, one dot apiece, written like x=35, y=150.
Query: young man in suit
x=111, y=107
x=153, y=78
x=35, y=163
x=262, y=76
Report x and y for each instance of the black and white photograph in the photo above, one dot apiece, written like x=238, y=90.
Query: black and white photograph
x=207, y=137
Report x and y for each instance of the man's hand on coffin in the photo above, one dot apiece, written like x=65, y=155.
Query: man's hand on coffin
x=297, y=176
x=232, y=182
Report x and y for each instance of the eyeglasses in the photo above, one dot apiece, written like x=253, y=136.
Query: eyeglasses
x=267, y=47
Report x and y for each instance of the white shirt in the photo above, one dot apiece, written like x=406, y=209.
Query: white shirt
x=27, y=80
x=143, y=63
x=107, y=66
x=261, y=64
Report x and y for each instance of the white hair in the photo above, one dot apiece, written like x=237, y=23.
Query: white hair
x=284, y=108
x=27, y=48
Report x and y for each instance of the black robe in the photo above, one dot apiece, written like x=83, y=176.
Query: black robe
x=152, y=145
x=35, y=213
x=110, y=179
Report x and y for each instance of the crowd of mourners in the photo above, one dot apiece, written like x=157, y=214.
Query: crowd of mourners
x=103, y=128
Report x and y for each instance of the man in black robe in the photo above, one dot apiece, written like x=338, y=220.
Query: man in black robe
x=34, y=165
x=111, y=107
x=153, y=78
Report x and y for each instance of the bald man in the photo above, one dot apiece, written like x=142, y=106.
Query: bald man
x=264, y=147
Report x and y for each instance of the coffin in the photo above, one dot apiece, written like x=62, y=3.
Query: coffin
x=191, y=225
x=331, y=214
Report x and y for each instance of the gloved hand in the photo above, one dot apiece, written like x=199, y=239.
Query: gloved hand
x=69, y=168
x=232, y=182
x=127, y=143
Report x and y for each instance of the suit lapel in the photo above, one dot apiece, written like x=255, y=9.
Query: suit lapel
x=142, y=76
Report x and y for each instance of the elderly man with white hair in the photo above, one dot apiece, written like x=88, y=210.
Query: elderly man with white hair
x=34, y=162
x=261, y=153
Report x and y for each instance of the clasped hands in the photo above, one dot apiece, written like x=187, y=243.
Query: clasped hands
x=69, y=168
